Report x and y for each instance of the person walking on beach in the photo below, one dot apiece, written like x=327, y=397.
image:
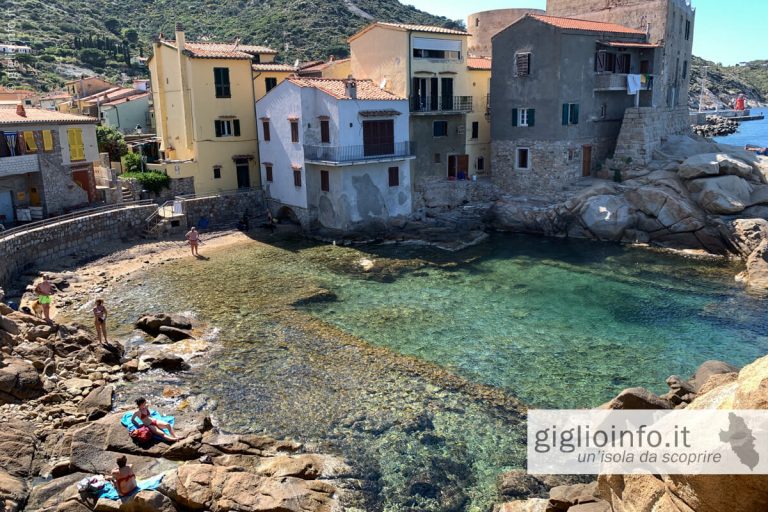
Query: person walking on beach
x=100, y=317
x=156, y=426
x=193, y=238
x=44, y=290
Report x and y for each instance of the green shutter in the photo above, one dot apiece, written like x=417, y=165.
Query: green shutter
x=565, y=114
x=514, y=117
x=531, y=116
x=574, y=113
x=217, y=127
x=236, y=126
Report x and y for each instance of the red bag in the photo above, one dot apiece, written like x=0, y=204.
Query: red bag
x=141, y=434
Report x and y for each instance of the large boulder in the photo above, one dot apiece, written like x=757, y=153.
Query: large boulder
x=637, y=398
x=98, y=403
x=697, y=166
x=672, y=211
x=606, y=216
x=19, y=381
x=159, y=357
x=748, y=234
x=17, y=447
x=756, y=274
x=722, y=195
x=151, y=323
x=706, y=370
x=13, y=490
x=48, y=495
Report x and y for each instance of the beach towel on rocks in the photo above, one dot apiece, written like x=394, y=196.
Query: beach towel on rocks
x=109, y=492
x=127, y=423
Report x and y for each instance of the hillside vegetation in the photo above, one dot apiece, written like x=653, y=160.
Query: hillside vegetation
x=724, y=83
x=109, y=32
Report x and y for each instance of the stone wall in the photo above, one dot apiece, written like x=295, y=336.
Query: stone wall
x=442, y=193
x=46, y=243
x=225, y=210
x=177, y=187
x=482, y=26
x=306, y=217
x=553, y=165
x=644, y=129
x=60, y=193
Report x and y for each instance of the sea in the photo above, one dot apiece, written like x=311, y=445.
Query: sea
x=750, y=132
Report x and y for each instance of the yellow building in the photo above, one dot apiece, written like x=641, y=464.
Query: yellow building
x=204, y=95
x=479, y=119
x=266, y=76
x=332, y=68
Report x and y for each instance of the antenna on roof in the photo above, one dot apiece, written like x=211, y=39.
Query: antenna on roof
x=296, y=63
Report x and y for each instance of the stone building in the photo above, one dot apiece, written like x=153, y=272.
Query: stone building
x=482, y=26
x=46, y=163
x=335, y=152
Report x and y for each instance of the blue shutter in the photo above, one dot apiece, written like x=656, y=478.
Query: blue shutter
x=514, y=117
x=565, y=114
x=531, y=116
x=574, y=113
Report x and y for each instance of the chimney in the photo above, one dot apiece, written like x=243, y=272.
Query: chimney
x=181, y=39
x=350, y=85
x=20, y=110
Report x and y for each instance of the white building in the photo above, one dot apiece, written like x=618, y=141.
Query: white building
x=335, y=152
x=14, y=49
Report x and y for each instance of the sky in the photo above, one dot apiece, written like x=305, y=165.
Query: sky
x=726, y=31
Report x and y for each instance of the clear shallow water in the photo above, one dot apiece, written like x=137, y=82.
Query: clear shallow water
x=557, y=323
x=750, y=132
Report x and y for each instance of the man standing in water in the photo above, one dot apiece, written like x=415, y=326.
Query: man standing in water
x=193, y=238
x=44, y=290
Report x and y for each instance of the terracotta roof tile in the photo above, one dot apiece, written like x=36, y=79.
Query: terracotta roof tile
x=585, y=26
x=320, y=65
x=120, y=101
x=273, y=66
x=424, y=28
x=478, y=63
x=8, y=116
x=216, y=50
x=625, y=44
x=366, y=89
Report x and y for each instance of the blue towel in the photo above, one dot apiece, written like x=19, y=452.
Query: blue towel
x=109, y=492
x=127, y=423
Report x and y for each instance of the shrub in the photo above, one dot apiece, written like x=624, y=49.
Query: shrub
x=150, y=180
x=111, y=141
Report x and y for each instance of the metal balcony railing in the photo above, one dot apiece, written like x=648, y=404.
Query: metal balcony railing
x=441, y=103
x=341, y=154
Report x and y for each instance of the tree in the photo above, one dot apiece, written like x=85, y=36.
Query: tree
x=112, y=25
x=25, y=59
x=131, y=35
x=93, y=57
x=111, y=141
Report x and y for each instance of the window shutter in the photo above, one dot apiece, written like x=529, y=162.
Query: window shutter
x=565, y=114
x=514, y=117
x=47, y=140
x=29, y=140
x=574, y=113
x=236, y=126
x=217, y=125
x=531, y=116
x=528, y=64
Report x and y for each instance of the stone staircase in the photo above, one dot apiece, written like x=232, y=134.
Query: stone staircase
x=164, y=220
x=126, y=193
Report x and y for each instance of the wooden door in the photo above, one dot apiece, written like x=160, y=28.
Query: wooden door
x=586, y=160
x=452, y=166
x=463, y=166
x=243, y=173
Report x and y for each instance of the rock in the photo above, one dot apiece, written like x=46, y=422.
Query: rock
x=562, y=497
x=98, y=403
x=17, y=447
x=9, y=326
x=733, y=166
x=722, y=195
x=670, y=210
x=530, y=505
x=12, y=488
x=75, y=386
x=39, y=331
x=151, y=323
x=596, y=506
x=305, y=466
x=747, y=234
x=49, y=495
x=606, y=216
x=156, y=357
x=19, y=380
x=37, y=353
x=697, y=166
x=756, y=274
x=637, y=398
x=161, y=339
x=174, y=333
x=706, y=370
x=519, y=484
x=716, y=381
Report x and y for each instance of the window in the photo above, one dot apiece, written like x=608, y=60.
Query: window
x=523, y=117
x=603, y=111
x=522, y=160
x=227, y=127
x=270, y=82
x=432, y=48
x=394, y=176
x=297, y=177
x=605, y=62
x=294, y=131
x=217, y=172
x=440, y=129
x=623, y=62
x=29, y=141
x=685, y=69
x=76, y=146
x=325, y=131
x=47, y=140
x=570, y=113
x=475, y=129
x=687, y=29
x=523, y=64
x=436, y=54
x=480, y=163
x=265, y=128
x=436, y=158
x=325, y=181
x=268, y=172
x=221, y=82
x=378, y=137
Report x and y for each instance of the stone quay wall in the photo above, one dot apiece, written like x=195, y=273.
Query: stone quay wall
x=438, y=192
x=224, y=211
x=644, y=129
x=19, y=251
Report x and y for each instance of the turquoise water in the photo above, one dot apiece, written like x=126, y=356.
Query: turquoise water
x=555, y=323
x=750, y=132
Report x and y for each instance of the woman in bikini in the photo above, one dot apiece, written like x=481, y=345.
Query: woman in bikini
x=156, y=426
x=123, y=477
x=100, y=317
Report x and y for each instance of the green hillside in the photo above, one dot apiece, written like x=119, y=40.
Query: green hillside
x=74, y=36
x=724, y=83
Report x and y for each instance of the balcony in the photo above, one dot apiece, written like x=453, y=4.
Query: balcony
x=614, y=82
x=11, y=165
x=340, y=155
x=438, y=104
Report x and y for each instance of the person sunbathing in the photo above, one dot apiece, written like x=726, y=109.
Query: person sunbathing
x=123, y=477
x=156, y=426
